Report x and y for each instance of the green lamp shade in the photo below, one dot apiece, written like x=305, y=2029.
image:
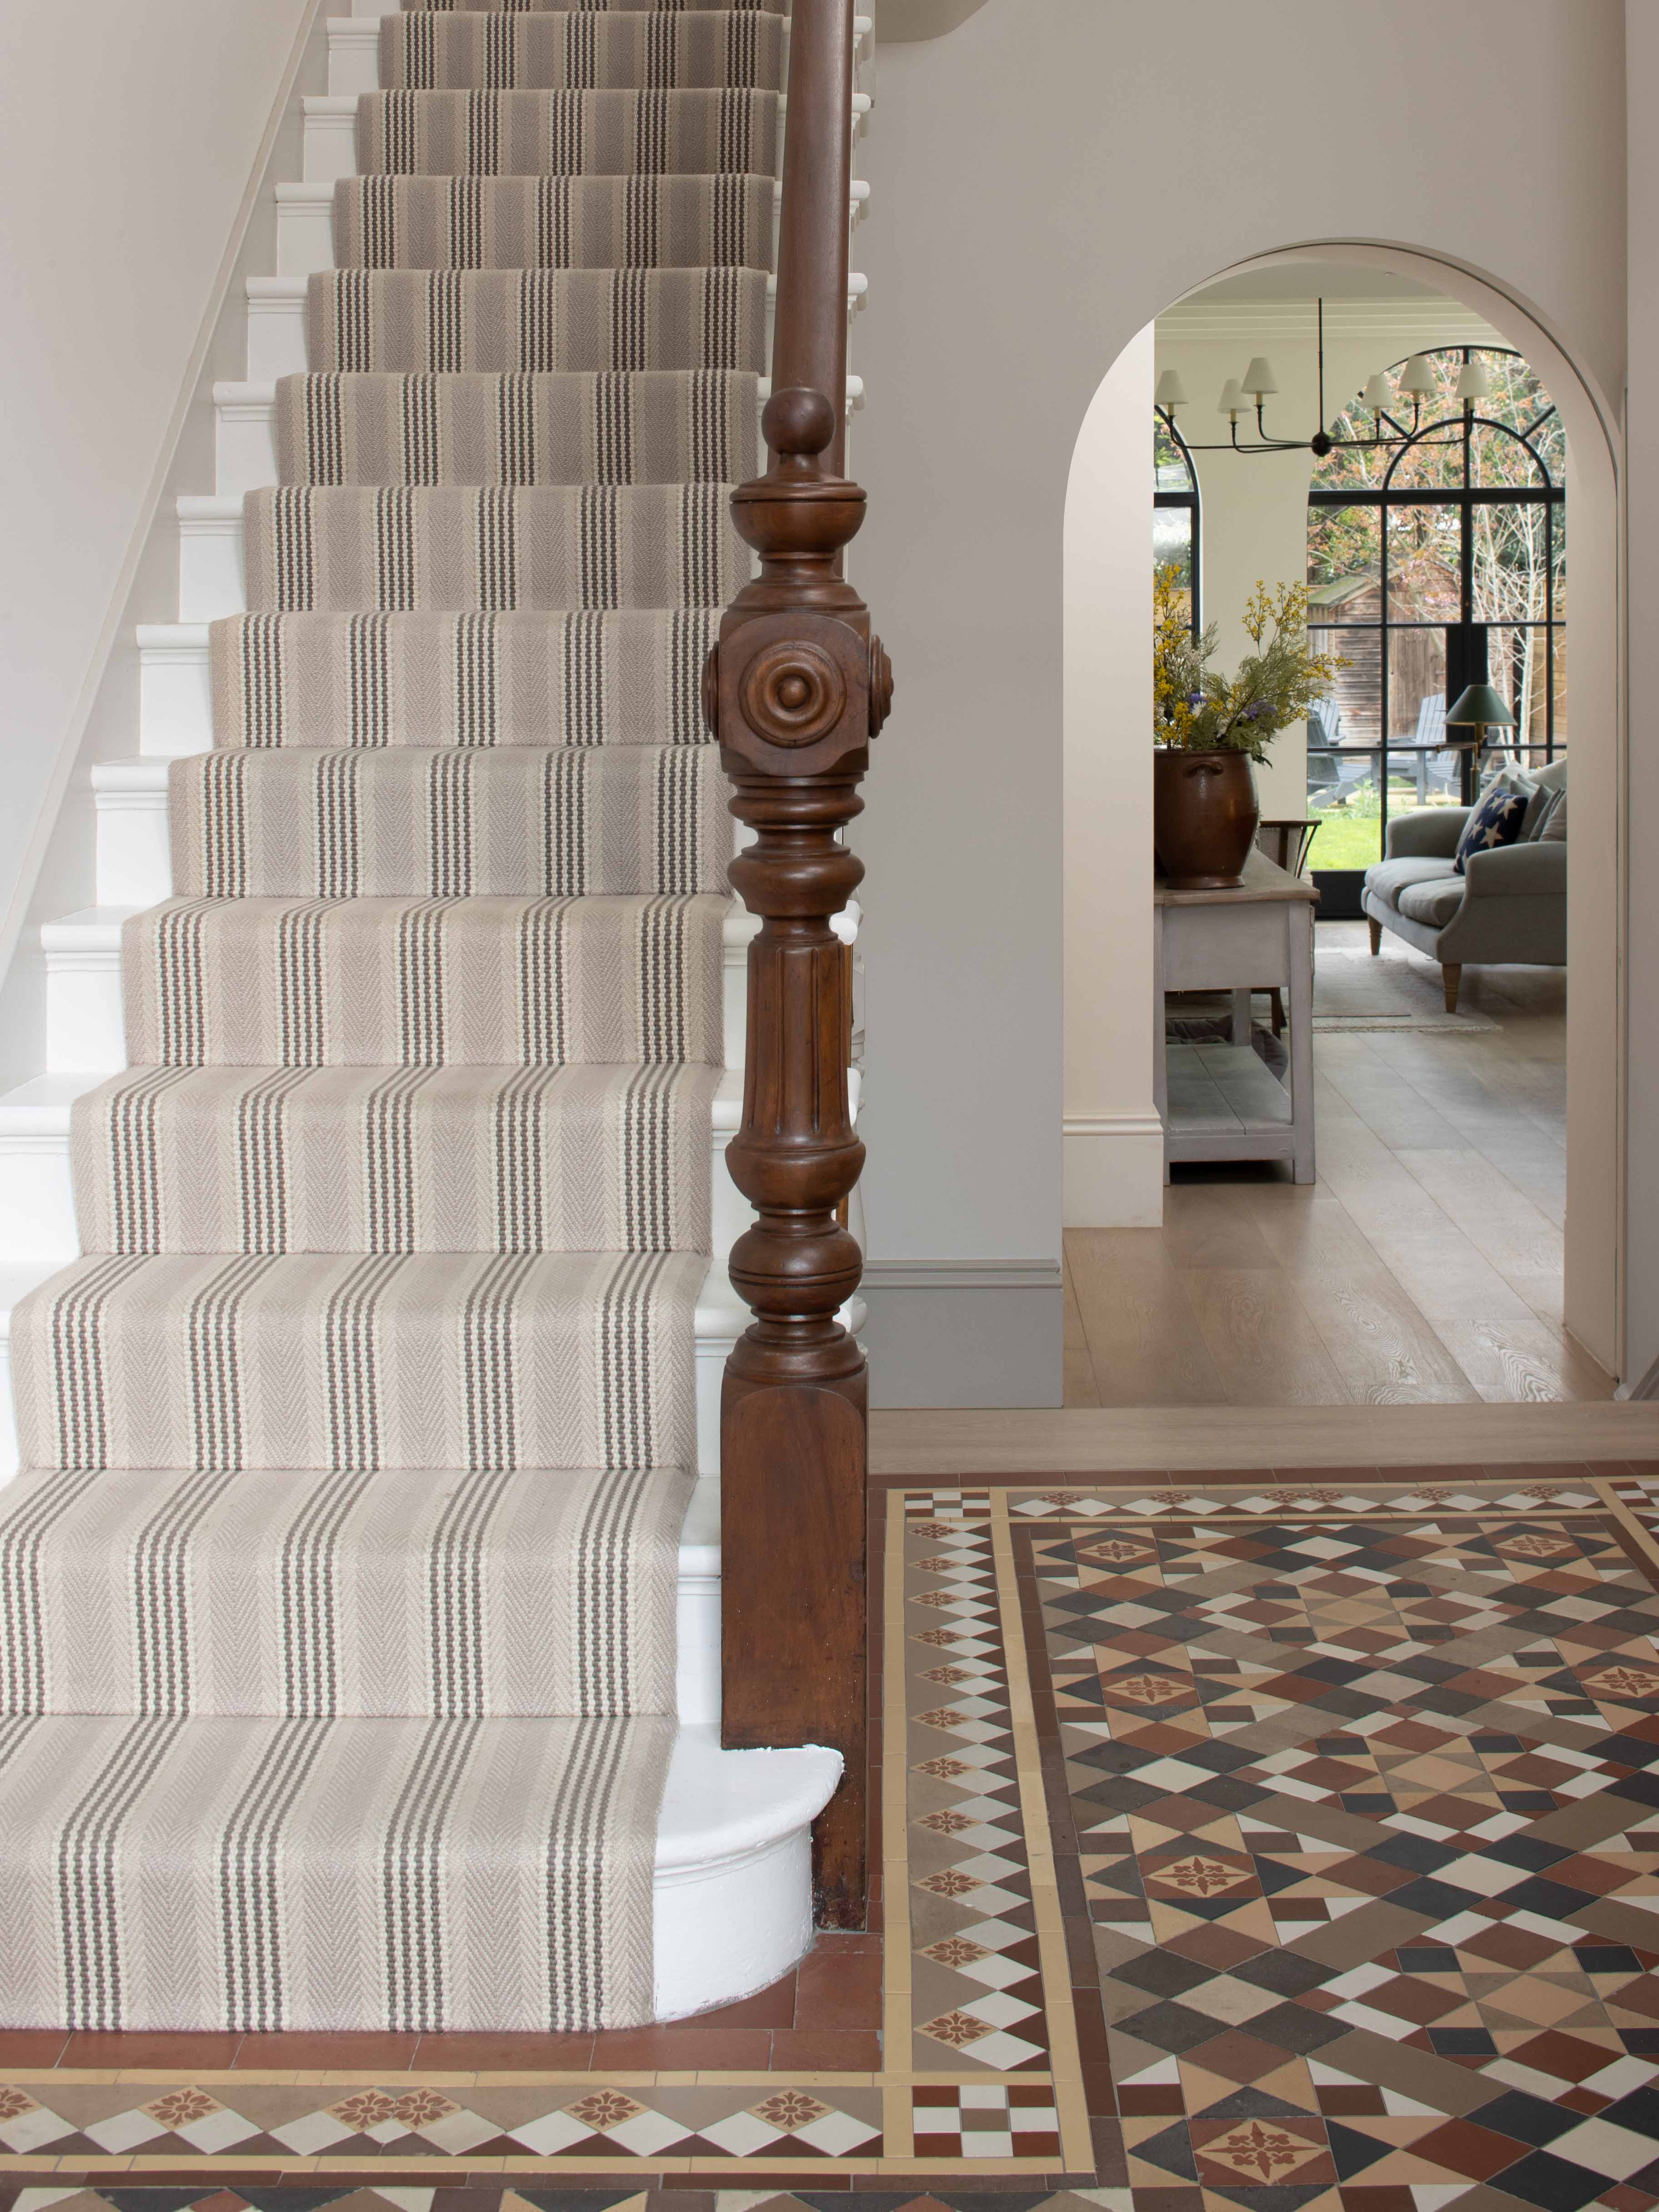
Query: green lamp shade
x=1481, y=706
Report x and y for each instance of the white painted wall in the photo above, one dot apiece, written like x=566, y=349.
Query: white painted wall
x=1112, y=1150
x=128, y=137
x=1050, y=179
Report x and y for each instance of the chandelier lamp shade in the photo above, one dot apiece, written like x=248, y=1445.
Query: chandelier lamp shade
x=1380, y=397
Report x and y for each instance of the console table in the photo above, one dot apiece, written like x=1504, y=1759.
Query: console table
x=1256, y=936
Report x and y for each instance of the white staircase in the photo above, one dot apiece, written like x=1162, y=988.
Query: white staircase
x=733, y=1866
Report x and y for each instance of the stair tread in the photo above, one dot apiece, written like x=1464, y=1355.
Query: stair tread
x=449, y=547
x=370, y=821
x=422, y=980
x=548, y=50
x=622, y=132
x=541, y=321
x=386, y=221
x=396, y=1361
x=573, y=428
x=364, y=1592
x=610, y=677
x=462, y=1159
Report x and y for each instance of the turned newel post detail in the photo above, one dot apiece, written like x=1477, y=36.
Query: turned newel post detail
x=795, y=689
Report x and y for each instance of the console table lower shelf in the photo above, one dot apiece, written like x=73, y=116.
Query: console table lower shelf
x=1220, y=1102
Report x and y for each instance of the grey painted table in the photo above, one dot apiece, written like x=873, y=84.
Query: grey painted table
x=1229, y=1106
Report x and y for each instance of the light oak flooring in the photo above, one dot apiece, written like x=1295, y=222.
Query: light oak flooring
x=1424, y=1268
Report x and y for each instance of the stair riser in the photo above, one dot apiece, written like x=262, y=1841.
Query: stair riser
x=175, y=689
x=331, y=135
x=354, y=46
x=277, y=341
x=531, y=50
x=369, y=822
x=244, y=443
x=299, y=686
x=305, y=227
x=213, y=571
x=37, y=1198
x=86, y=1031
x=711, y=1352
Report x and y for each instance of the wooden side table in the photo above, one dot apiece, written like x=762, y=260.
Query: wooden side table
x=1260, y=934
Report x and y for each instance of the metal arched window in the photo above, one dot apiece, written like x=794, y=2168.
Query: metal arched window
x=1176, y=515
x=1433, y=563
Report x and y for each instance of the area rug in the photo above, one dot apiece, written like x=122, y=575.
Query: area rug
x=1258, y=1847
x=1395, y=989
x=1412, y=1024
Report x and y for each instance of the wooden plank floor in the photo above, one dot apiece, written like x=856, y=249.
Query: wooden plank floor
x=1423, y=1268
x=1152, y=1440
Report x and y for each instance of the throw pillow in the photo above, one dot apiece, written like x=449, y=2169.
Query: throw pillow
x=1554, y=830
x=1495, y=820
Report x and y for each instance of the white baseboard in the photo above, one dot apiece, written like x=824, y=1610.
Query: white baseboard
x=1112, y=1171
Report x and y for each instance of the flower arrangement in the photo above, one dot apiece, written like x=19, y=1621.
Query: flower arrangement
x=1194, y=710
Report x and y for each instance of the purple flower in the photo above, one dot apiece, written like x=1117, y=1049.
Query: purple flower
x=1194, y=698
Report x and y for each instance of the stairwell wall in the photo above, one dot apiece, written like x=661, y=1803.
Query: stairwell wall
x=133, y=141
x=1049, y=179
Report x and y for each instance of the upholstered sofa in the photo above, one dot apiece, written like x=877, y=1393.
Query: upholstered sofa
x=1511, y=905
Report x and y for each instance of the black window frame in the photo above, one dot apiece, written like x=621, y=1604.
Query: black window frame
x=1344, y=883
x=1190, y=499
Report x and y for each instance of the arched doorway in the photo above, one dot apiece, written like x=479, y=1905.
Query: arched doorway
x=1110, y=1133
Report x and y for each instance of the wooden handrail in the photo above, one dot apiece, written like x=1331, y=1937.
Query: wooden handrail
x=795, y=689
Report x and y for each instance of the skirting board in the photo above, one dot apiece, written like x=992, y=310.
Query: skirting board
x=959, y=1333
x=1112, y=1171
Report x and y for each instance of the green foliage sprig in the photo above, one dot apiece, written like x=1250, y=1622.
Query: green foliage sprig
x=1197, y=710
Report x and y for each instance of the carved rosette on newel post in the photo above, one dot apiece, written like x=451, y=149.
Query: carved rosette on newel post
x=795, y=690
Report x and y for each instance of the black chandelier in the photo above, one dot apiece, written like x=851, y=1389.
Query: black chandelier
x=1417, y=383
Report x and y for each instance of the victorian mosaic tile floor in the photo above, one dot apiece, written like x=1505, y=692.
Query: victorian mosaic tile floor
x=1258, y=1845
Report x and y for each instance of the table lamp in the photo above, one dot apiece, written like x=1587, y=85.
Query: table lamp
x=1478, y=709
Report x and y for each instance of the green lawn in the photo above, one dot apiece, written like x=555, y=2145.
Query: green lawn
x=1351, y=837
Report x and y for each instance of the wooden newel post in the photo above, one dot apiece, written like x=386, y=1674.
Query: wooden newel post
x=795, y=689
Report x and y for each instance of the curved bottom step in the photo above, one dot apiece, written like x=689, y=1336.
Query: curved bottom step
x=733, y=1892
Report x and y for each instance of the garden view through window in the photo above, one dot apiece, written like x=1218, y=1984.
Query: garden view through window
x=1425, y=562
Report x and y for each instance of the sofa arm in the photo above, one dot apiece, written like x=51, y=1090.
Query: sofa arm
x=1425, y=832
x=1534, y=870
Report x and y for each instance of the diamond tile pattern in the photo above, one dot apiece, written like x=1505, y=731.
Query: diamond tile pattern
x=1365, y=1785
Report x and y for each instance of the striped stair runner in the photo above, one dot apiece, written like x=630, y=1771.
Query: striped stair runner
x=337, y=1599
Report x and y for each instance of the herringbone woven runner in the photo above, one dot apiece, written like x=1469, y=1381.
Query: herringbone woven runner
x=337, y=1596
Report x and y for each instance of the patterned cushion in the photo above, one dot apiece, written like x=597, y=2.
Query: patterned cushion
x=1495, y=821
